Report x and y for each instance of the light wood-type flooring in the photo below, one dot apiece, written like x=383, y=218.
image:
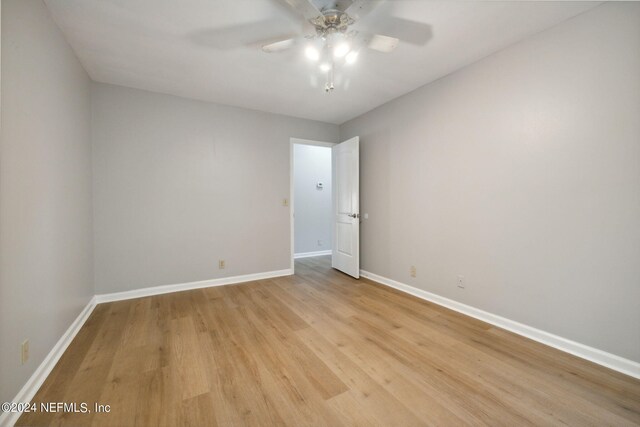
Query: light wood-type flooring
x=320, y=348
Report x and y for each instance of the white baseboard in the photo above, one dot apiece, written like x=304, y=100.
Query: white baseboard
x=165, y=289
x=617, y=363
x=310, y=254
x=41, y=373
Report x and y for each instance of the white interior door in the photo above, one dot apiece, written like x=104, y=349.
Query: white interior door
x=346, y=207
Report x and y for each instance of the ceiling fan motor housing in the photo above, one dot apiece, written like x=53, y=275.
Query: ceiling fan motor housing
x=332, y=21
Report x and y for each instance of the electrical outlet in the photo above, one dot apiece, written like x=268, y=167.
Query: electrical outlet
x=412, y=271
x=285, y=202
x=221, y=264
x=319, y=242
x=461, y=282
x=24, y=351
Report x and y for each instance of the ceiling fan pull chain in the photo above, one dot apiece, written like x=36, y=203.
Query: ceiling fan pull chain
x=329, y=86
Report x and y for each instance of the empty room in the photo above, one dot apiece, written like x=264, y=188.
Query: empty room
x=319, y=212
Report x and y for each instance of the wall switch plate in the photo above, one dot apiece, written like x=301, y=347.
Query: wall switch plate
x=412, y=271
x=24, y=352
x=221, y=264
x=366, y=216
x=461, y=282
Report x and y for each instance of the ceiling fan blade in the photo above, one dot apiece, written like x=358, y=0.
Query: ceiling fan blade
x=278, y=46
x=413, y=32
x=304, y=8
x=358, y=8
x=252, y=34
x=384, y=44
x=342, y=5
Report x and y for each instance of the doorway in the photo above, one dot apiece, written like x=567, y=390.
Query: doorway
x=311, y=199
x=325, y=202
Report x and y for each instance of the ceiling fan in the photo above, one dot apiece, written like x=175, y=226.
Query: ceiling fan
x=332, y=42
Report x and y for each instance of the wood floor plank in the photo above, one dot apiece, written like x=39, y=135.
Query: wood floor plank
x=298, y=387
x=319, y=376
x=319, y=348
x=186, y=358
x=377, y=376
x=239, y=377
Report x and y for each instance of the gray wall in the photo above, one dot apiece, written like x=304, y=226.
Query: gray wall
x=46, y=272
x=312, y=164
x=522, y=173
x=180, y=184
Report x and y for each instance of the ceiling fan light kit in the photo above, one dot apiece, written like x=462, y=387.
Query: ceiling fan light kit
x=312, y=53
x=351, y=57
x=331, y=50
x=333, y=43
x=341, y=50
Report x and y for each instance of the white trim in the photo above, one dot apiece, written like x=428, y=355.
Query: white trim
x=617, y=363
x=311, y=142
x=165, y=289
x=292, y=142
x=310, y=254
x=33, y=384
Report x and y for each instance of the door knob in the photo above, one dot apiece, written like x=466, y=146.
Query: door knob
x=355, y=215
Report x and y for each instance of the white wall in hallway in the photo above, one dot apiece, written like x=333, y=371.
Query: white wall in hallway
x=312, y=206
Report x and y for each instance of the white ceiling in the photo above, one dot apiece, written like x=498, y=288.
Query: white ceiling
x=210, y=50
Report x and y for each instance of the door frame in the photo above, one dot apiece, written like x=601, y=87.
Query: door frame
x=292, y=142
